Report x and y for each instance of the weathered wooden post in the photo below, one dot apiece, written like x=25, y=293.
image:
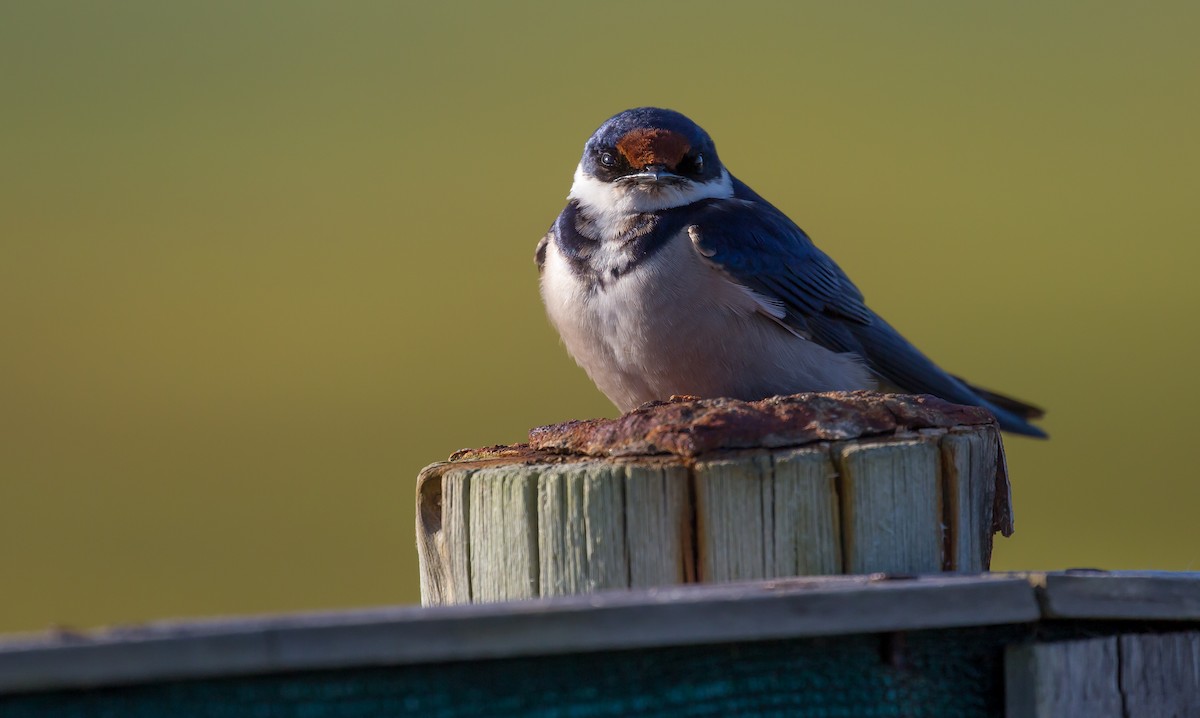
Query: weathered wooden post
x=716, y=490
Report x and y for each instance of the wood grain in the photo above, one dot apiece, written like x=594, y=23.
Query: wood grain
x=891, y=506
x=581, y=529
x=503, y=534
x=658, y=525
x=1160, y=675
x=443, y=535
x=807, y=526
x=969, y=492
x=734, y=518
x=767, y=515
x=1065, y=679
x=511, y=526
x=1136, y=675
x=1147, y=595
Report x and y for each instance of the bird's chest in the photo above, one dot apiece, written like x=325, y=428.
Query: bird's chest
x=626, y=308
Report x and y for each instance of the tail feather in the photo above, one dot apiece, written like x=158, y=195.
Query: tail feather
x=1022, y=409
x=1012, y=422
x=898, y=363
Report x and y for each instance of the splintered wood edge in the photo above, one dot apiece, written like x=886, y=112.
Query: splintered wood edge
x=431, y=559
x=970, y=464
x=1002, y=507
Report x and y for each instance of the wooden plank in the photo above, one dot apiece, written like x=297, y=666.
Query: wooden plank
x=1145, y=595
x=1057, y=680
x=614, y=620
x=561, y=558
x=807, y=537
x=604, y=519
x=581, y=529
x=1160, y=675
x=456, y=528
x=734, y=517
x=675, y=616
x=969, y=465
x=891, y=506
x=503, y=533
x=658, y=525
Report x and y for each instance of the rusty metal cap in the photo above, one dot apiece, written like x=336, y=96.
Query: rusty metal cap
x=688, y=426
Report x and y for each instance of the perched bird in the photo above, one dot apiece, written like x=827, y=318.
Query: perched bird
x=666, y=275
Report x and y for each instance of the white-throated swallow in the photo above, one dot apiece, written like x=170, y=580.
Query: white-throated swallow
x=667, y=275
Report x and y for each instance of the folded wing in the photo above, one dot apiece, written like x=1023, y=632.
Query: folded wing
x=757, y=246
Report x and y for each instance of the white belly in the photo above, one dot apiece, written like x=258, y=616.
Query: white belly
x=675, y=325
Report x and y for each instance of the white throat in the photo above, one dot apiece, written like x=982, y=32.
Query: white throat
x=612, y=204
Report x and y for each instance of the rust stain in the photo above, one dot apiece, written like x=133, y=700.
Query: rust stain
x=653, y=147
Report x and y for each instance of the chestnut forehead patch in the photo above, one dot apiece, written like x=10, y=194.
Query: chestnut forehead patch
x=653, y=147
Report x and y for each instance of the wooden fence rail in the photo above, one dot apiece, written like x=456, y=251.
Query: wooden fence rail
x=855, y=645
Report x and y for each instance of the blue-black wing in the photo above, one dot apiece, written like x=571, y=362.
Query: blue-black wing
x=760, y=248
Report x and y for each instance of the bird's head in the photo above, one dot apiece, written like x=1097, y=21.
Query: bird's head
x=648, y=159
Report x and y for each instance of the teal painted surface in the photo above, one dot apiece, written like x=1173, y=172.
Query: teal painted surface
x=943, y=674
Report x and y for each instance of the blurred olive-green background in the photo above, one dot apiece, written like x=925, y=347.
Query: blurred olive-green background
x=260, y=262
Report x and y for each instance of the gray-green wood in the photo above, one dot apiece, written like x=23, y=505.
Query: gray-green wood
x=457, y=486
x=1064, y=679
x=734, y=518
x=658, y=525
x=581, y=529
x=767, y=515
x=1160, y=675
x=1138, y=675
x=503, y=534
x=444, y=538
x=807, y=538
x=1148, y=595
x=891, y=506
x=500, y=528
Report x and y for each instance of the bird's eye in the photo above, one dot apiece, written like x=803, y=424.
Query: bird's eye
x=699, y=162
x=607, y=159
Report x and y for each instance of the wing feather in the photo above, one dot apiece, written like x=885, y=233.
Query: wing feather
x=760, y=248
